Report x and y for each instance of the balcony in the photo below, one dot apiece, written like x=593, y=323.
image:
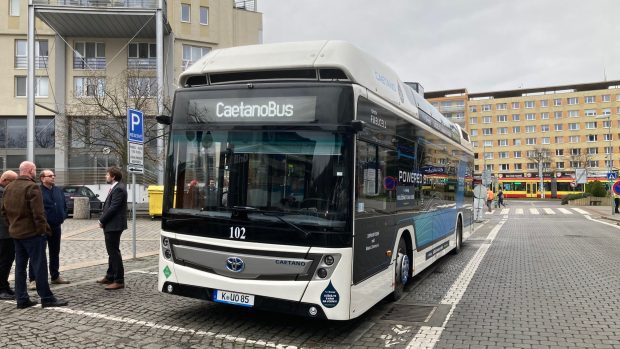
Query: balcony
x=141, y=63
x=248, y=5
x=89, y=62
x=39, y=62
x=101, y=18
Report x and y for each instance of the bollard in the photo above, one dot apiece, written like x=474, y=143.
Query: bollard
x=81, y=208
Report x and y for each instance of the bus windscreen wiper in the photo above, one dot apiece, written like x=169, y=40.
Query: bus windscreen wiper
x=277, y=215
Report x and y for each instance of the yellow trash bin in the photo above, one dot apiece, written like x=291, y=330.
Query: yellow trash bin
x=156, y=199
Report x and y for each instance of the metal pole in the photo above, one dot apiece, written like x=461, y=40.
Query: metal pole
x=610, y=167
x=133, y=212
x=30, y=90
x=540, y=175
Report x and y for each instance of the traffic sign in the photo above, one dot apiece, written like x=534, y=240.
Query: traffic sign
x=136, y=153
x=135, y=126
x=611, y=175
x=480, y=192
x=616, y=188
x=135, y=169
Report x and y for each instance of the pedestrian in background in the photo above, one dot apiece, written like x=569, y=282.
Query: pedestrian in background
x=113, y=220
x=23, y=209
x=7, y=248
x=490, y=197
x=55, y=213
x=500, y=198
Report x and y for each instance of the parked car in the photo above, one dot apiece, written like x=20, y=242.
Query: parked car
x=72, y=191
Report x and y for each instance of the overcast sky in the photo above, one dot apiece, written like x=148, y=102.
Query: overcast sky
x=481, y=45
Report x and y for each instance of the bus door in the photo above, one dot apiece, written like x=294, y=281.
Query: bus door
x=532, y=190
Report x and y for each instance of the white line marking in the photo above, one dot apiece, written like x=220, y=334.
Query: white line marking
x=565, y=211
x=428, y=336
x=505, y=210
x=519, y=211
x=614, y=225
x=578, y=210
x=534, y=211
x=548, y=210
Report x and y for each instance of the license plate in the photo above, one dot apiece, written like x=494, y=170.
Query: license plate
x=242, y=299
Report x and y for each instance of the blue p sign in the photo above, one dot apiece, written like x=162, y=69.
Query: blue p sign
x=135, y=126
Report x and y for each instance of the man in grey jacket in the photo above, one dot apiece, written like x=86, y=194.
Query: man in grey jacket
x=7, y=249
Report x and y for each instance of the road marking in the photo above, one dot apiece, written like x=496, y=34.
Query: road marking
x=534, y=211
x=549, y=211
x=505, y=210
x=565, y=211
x=578, y=210
x=614, y=225
x=428, y=336
x=519, y=211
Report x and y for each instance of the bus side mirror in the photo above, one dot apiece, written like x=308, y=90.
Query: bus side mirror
x=357, y=125
x=163, y=119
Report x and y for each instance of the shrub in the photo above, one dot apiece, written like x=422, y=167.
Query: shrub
x=570, y=197
x=596, y=189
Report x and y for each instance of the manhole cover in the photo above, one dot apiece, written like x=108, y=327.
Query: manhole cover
x=409, y=313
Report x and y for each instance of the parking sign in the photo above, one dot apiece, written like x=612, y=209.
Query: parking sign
x=135, y=126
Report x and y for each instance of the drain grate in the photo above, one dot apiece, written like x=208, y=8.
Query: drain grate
x=409, y=313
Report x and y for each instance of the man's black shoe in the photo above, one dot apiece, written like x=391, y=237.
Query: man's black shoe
x=55, y=303
x=27, y=304
x=5, y=295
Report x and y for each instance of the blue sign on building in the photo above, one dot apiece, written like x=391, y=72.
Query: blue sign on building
x=135, y=126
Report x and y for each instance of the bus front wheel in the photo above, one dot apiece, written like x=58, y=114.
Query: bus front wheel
x=401, y=270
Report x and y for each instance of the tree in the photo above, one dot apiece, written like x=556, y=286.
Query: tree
x=98, y=118
x=541, y=156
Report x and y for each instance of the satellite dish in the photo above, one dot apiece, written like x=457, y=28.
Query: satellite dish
x=106, y=150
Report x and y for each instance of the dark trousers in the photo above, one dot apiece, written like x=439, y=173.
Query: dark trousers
x=7, y=256
x=617, y=203
x=115, y=272
x=53, y=244
x=33, y=249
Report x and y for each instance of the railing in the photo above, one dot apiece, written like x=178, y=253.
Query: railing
x=141, y=63
x=39, y=62
x=249, y=5
x=89, y=63
x=151, y=4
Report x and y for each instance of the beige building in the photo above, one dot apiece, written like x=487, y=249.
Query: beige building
x=566, y=129
x=83, y=46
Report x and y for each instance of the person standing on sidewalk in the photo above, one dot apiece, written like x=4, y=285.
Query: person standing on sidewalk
x=23, y=209
x=490, y=197
x=55, y=212
x=7, y=248
x=113, y=220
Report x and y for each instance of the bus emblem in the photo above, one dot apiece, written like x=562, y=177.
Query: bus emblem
x=235, y=264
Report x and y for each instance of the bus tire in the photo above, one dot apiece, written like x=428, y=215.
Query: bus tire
x=459, y=237
x=402, y=269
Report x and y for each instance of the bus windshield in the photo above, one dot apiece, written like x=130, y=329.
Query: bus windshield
x=297, y=179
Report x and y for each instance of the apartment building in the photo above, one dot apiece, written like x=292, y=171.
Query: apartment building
x=563, y=128
x=82, y=47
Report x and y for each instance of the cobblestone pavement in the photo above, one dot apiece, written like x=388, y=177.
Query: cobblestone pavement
x=521, y=281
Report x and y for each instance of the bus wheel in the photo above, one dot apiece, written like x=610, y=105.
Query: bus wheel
x=401, y=270
x=459, y=238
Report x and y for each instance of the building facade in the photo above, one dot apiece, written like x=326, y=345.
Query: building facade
x=562, y=132
x=82, y=49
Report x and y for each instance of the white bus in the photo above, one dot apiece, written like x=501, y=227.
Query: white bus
x=307, y=178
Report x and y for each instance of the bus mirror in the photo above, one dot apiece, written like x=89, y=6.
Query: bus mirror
x=163, y=119
x=357, y=125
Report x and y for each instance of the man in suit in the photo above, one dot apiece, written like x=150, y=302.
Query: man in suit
x=113, y=220
x=24, y=212
x=7, y=249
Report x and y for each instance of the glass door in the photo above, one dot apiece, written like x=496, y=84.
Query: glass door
x=532, y=190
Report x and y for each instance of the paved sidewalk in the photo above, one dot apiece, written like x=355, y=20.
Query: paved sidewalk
x=83, y=243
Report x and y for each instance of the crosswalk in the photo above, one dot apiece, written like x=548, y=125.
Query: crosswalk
x=538, y=211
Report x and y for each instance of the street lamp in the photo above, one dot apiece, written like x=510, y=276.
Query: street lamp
x=539, y=157
x=609, y=162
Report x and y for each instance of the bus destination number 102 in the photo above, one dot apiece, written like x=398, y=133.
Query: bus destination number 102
x=237, y=233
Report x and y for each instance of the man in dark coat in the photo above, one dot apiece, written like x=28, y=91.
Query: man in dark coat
x=7, y=249
x=23, y=209
x=55, y=213
x=113, y=220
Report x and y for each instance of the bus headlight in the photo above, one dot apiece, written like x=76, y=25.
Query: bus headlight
x=313, y=311
x=322, y=273
x=329, y=259
x=165, y=243
x=167, y=254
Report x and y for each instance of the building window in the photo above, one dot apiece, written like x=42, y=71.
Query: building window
x=41, y=86
x=591, y=125
x=193, y=53
x=529, y=104
x=544, y=116
x=488, y=156
x=142, y=87
x=557, y=115
x=474, y=133
x=559, y=140
x=502, y=118
x=516, y=129
x=530, y=129
x=474, y=108
x=502, y=155
x=515, y=105
x=88, y=86
x=517, y=154
x=607, y=137
x=516, y=141
x=204, y=15
x=544, y=103
x=487, y=131
x=530, y=116
x=588, y=99
x=504, y=167
x=89, y=55
x=593, y=163
x=559, y=152
x=517, y=167
x=593, y=151
x=546, y=140
x=544, y=128
x=532, y=166
x=21, y=54
x=486, y=107
x=559, y=165
x=502, y=142
x=488, y=144
x=573, y=126
x=486, y=119
x=592, y=138
x=186, y=12
x=14, y=8
x=557, y=127
x=573, y=139
x=606, y=98
x=502, y=130
x=516, y=117
x=607, y=111
x=557, y=102
x=473, y=120
x=530, y=141
x=590, y=112
x=501, y=106
x=572, y=100
x=142, y=55
x=573, y=113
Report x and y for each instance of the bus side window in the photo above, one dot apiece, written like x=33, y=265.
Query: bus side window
x=371, y=172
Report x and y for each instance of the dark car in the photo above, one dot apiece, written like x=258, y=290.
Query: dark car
x=72, y=191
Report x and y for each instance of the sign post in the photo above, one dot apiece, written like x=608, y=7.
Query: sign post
x=135, y=149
